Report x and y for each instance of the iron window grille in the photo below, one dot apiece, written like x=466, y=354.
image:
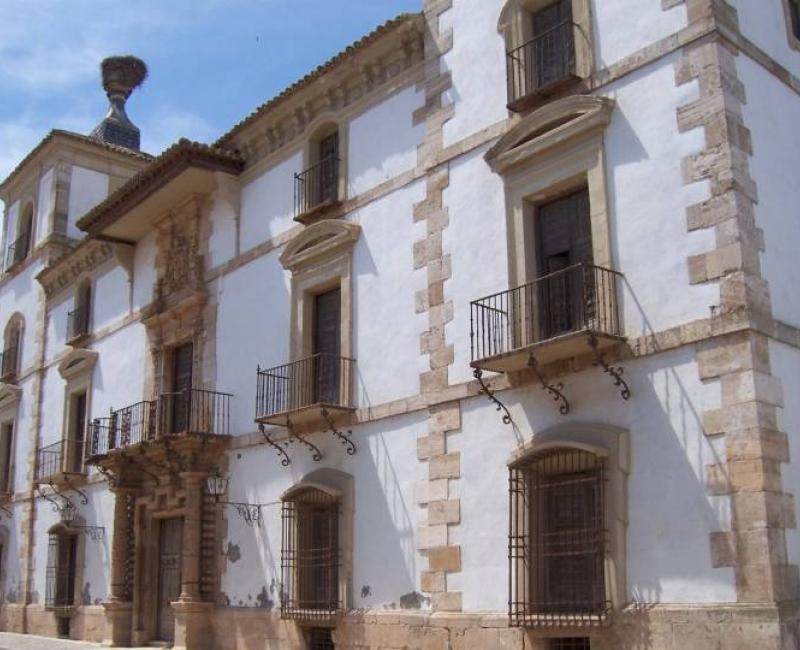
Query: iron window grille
x=78, y=322
x=571, y=643
x=8, y=361
x=18, y=250
x=557, y=540
x=310, y=556
x=60, y=573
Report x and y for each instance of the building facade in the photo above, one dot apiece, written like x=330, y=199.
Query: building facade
x=482, y=335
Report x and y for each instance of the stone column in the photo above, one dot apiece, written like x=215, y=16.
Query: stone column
x=118, y=606
x=192, y=522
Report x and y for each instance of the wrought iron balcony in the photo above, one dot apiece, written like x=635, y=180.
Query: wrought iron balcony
x=18, y=250
x=552, y=317
x=299, y=392
x=78, y=323
x=541, y=65
x=316, y=188
x=189, y=412
x=8, y=363
x=62, y=457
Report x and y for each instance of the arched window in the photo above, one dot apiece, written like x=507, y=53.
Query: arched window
x=567, y=528
x=549, y=48
x=62, y=563
x=320, y=186
x=78, y=320
x=18, y=249
x=12, y=345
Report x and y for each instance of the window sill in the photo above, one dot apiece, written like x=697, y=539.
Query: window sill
x=319, y=211
x=569, y=85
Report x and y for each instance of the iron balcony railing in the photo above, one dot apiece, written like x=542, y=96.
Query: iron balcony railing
x=580, y=297
x=319, y=379
x=49, y=461
x=18, y=250
x=192, y=411
x=78, y=322
x=545, y=60
x=8, y=363
x=317, y=185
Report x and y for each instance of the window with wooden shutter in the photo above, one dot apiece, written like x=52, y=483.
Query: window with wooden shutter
x=60, y=573
x=6, y=445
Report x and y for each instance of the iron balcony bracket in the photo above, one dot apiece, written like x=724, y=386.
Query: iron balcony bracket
x=478, y=374
x=56, y=505
x=614, y=371
x=249, y=512
x=5, y=509
x=95, y=533
x=67, y=501
x=555, y=390
x=316, y=454
x=143, y=468
x=70, y=486
x=285, y=460
x=345, y=439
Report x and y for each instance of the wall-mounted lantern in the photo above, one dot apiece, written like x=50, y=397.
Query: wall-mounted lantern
x=217, y=485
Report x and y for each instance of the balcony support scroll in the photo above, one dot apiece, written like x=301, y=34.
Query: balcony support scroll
x=108, y=476
x=285, y=460
x=343, y=438
x=71, y=486
x=316, y=454
x=555, y=390
x=478, y=374
x=615, y=371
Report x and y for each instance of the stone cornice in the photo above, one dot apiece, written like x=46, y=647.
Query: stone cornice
x=343, y=81
x=85, y=258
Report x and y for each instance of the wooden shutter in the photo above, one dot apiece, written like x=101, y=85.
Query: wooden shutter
x=329, y=168
x=182, y=360
x=553, y=52
x=79, y=431
x=6, y=439
x=327, y=342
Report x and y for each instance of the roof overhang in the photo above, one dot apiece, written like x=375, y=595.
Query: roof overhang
x=184, y=170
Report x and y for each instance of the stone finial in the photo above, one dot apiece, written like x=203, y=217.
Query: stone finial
x=121, y=75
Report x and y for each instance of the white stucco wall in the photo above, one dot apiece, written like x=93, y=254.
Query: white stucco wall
x=377, y=153
x=45, y=205
x=774, y=167
x=386, y=332
x=22, y=432
x=10, y=576
x=111, y=297
x=57, y=317
x=222, y=243
x=765, y=23
x=144, y=271
x=670, y=514
x=384, y=471
x=253, y=307
x=10, y=229
x=267, y=207
x=118, y=378
x=87, y=188
x=622, y=27
x=22, y=296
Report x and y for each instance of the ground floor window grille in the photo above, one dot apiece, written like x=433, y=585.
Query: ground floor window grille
x=571, y=643
x=557, y=540
x=310, y=555
x=320, y=638
x=60, y=574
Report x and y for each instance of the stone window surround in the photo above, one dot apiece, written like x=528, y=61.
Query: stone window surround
x=794, y=38
x=15, y=324
x=323, y=126
x=551, y=152
x=341, y=486
x=9, y=410
x=613, y=444
x=320, y=258
x=83, y=283
x=516, y=28
x=76, y=369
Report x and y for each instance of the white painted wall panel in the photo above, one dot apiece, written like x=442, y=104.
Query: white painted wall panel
x=774, y=167
x=383, y=141
x=118, y=379
x=10, y=228
x=144, y=271
x=267, y=207
x=765, y=24
x=386, y=334
x=222, y=243
x=22, y=296
x=111, y=298
x=87, y=188
x=45, y=205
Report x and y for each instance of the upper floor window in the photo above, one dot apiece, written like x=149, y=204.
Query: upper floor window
x=548, y=48
x=12, y=342
x=320, y=186
x=6, y=449
x=793, y=21
x=78, y=320
x=19, y=248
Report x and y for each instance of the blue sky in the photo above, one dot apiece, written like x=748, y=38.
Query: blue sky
x=211, y=61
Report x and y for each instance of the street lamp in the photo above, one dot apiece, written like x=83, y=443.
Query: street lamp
x=216, y=484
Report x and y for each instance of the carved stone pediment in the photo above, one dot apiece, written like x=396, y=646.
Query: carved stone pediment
x=77, y=362
x=318, y=242
x=85, y=259
x=9, y=396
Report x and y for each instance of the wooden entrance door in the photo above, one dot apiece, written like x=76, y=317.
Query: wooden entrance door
x=327, y=337
x=182, y=359
x=170, y=543
x=564, y=240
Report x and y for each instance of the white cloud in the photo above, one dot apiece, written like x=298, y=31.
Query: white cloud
x=165, y=125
